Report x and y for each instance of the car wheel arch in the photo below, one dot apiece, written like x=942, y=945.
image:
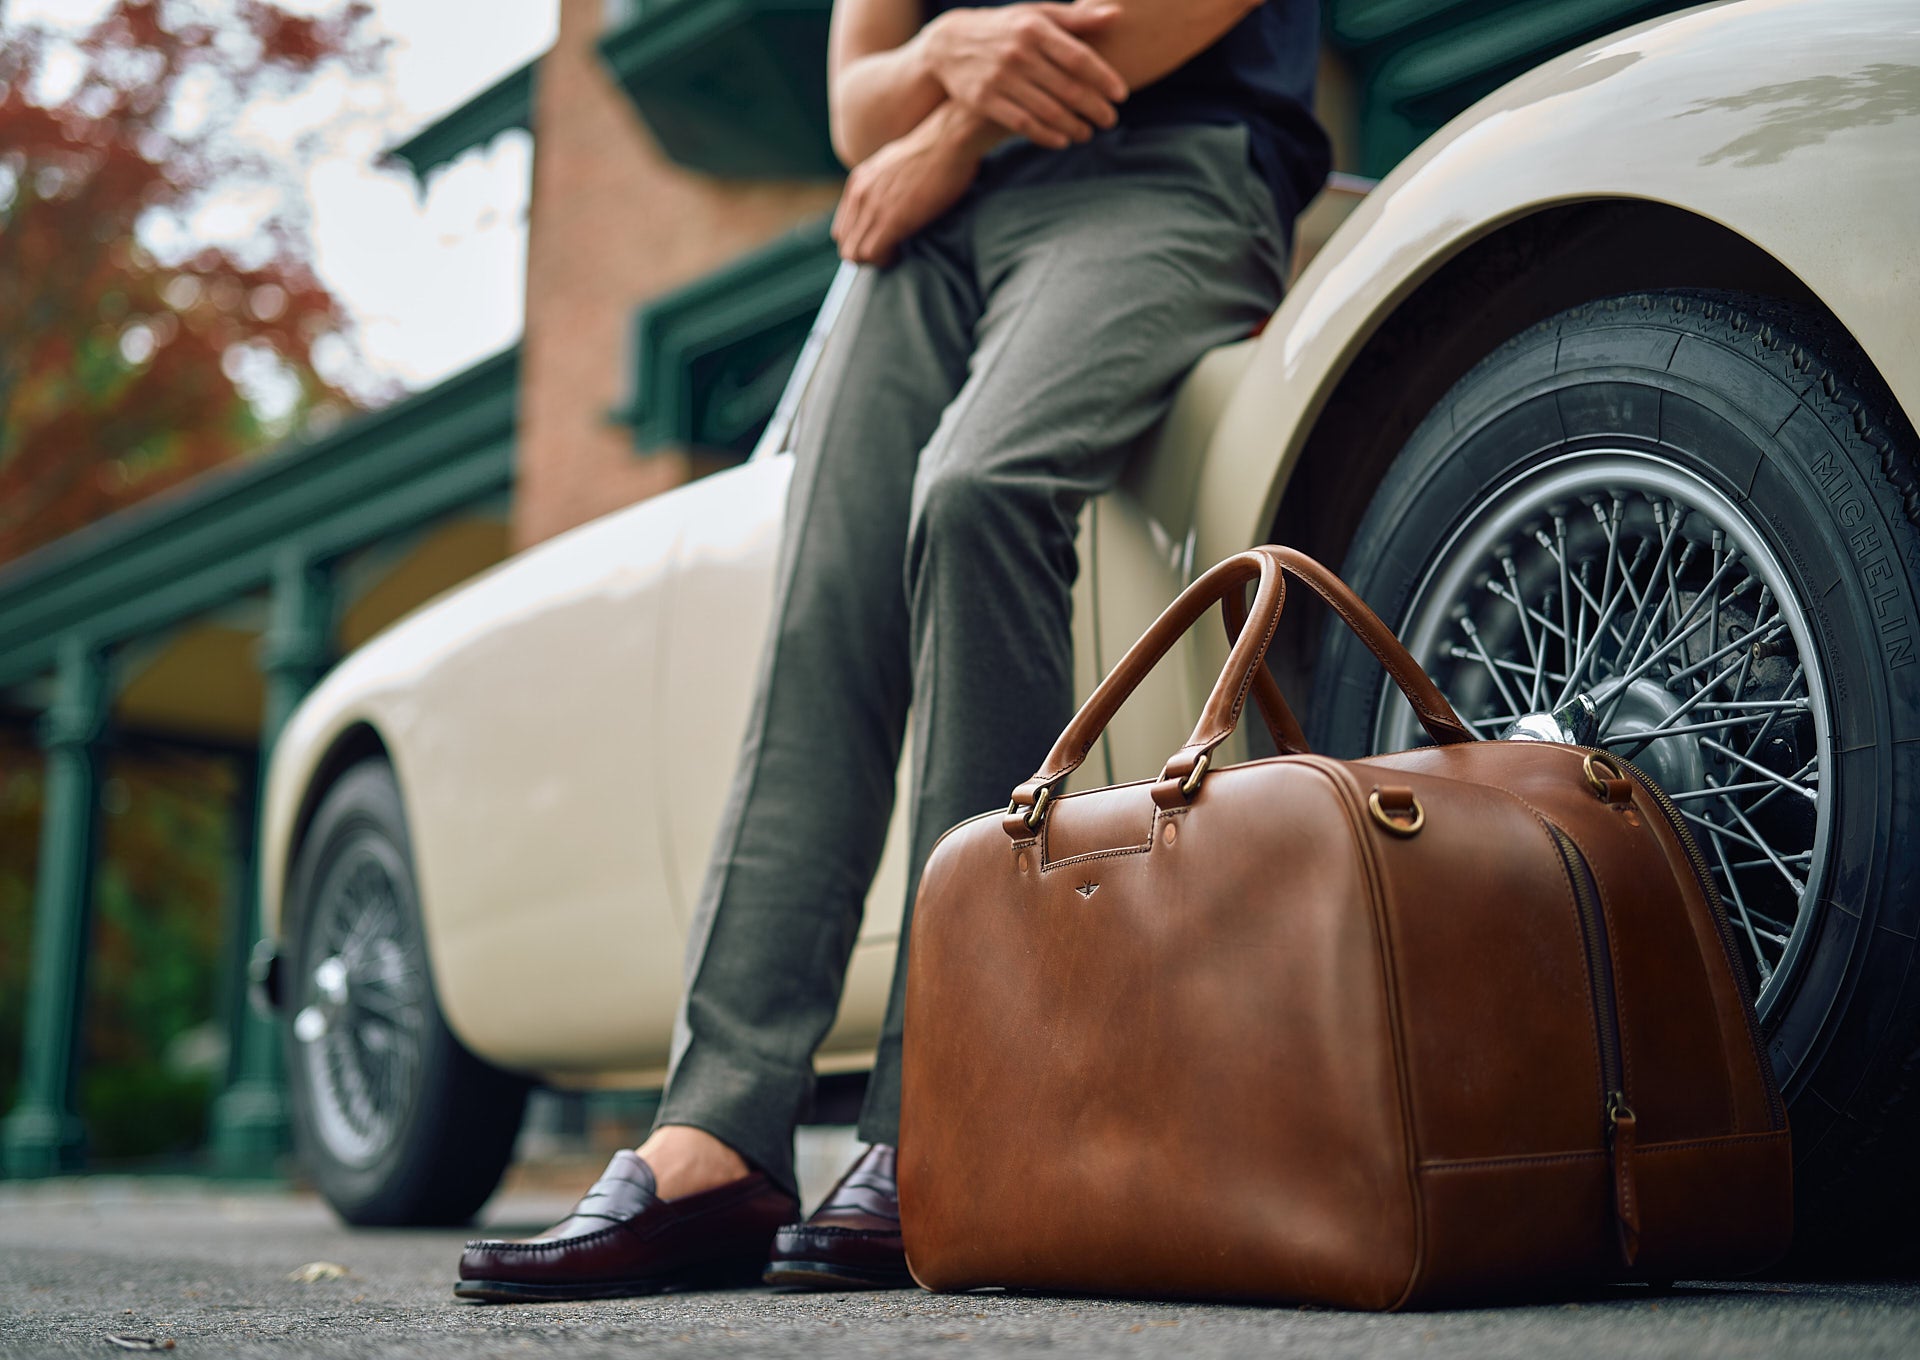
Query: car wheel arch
x=1494, y=288
x=356, y=742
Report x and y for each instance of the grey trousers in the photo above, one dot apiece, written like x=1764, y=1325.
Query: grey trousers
x=970, y=400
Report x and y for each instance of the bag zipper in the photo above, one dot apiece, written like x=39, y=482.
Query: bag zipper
x=1622, y=1125
x=1717, y=907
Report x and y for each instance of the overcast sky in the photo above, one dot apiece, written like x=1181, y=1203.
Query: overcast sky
x=432, y=285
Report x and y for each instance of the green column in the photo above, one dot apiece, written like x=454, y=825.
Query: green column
x=43, y=1136
x=250, y=1117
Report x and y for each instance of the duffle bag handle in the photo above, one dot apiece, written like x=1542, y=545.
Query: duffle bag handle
x=1244, y=672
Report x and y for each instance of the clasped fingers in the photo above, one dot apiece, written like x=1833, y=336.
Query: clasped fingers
x=1023, y=68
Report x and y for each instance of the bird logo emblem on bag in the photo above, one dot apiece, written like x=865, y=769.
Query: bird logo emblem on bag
x=1087, y=889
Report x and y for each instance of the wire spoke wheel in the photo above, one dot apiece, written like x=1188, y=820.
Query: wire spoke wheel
x=1683, y=525
x=1632, y=581
x=362, y=1023
x=395, y=1120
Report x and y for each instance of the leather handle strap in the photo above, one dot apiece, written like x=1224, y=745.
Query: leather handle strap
x=1180, y=779
x=1222, y=710
x=1287, y=732
x=1245, y=671
x=1429, y=705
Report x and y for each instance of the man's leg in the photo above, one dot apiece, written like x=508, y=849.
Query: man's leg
x=1108, y=284
x=813, y=790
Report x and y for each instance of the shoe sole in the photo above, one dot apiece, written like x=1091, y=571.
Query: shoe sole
x=821, y=1275
x=727, y=1275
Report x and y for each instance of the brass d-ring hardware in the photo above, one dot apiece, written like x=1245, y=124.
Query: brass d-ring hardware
x=1038, y=812
x=1594, y=780
x=1410, y=827
x=1191, y=784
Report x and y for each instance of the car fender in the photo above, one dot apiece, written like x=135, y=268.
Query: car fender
x=1792, y=125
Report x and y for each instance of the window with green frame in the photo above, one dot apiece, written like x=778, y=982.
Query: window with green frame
x=710, y=358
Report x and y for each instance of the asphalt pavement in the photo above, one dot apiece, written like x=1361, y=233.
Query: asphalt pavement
x=221, y=1273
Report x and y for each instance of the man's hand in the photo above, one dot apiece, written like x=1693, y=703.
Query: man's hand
x=907, y=183
x=1028, y=68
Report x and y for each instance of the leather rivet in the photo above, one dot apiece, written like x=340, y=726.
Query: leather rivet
x=1173, y=833
x=1021, y=860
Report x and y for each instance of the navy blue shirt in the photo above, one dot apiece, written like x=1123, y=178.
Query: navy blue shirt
x=1260, y=74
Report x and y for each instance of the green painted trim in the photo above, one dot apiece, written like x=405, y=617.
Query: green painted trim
x=251, y=1124
x=43, y=1135
x=501, y=107
x=221, y=536
x=1355, y=24
x=780, y=283
x=731, y=87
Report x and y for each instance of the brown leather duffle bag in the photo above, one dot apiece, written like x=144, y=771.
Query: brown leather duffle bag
x=1444, y=1026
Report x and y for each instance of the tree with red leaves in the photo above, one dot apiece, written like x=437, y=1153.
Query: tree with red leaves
x=132, y=358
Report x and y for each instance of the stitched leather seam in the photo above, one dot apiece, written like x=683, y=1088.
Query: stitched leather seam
x=1573, y=915
x=1232, y=719
x=1141, y=849
x=554, y=1244
x=1527, y=1159
x=828, y=1230
x=627, y=1225
x=1721, y=1140
x=1391, y=669
x=1347, y=797
x=1045, y=839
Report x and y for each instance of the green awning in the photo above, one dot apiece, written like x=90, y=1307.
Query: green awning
x=501, y=107
x=731, y=87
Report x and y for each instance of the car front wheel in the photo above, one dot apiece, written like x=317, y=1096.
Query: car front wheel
x=396, y=1122
x=1696, y=513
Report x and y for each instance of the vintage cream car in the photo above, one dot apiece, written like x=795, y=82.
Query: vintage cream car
x=1608, y=390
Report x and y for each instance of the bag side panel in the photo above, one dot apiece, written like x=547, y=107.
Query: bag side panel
x=1491, y=972
x=1158, y=1072
x=1724, y=1206
x=1693, y=1067
x=1509, y=1229
x=1694, y=1073
x=1490, y=966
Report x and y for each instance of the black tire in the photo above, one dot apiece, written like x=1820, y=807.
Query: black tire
x=396, y=1122
x=1777, y=412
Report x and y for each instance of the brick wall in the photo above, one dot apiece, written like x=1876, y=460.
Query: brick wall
x=613, y=223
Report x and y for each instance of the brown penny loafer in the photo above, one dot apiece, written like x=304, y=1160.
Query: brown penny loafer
x=623, y=1239
x=852, y=1241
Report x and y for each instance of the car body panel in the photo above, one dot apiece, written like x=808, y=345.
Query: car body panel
x=564, y=728
x=561, y=780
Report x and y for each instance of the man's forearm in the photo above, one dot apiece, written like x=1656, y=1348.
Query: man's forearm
x=1149, y=39
x=880, y=98
x=910, y=181
x=970, y=135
